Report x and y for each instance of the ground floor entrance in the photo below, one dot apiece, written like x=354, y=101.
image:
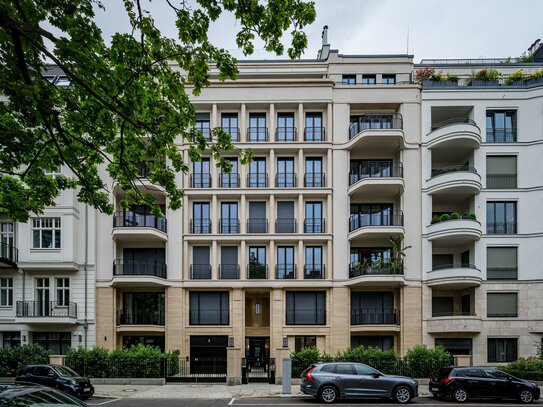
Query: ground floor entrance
x=257, y=358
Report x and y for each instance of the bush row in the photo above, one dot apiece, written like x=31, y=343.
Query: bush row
x=419, y=361
x=525, y=368
x=13, y=358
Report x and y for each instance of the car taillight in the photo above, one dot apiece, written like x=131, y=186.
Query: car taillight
x=308, y=375
x=447, y=380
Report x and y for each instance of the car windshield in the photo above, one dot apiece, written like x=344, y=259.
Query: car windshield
x=42, y=398
x=64, y=371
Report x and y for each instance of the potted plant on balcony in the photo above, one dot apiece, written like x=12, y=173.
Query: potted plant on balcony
x=485, y=77
x=435, y=219
x=472, y=216
x=455, y=215
x=535, y=78
x=515, y=79
x=445, y=217
x=397, y=256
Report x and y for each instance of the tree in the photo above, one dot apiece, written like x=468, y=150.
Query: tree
x=127, y=102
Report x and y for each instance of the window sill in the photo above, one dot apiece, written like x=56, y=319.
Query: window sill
x=48, y=250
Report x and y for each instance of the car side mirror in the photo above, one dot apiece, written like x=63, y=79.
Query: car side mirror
x=376, y=375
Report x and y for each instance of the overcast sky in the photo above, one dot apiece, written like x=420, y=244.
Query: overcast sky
x=437, y=28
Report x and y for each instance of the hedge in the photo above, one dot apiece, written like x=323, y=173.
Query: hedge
x=13, y=358
x=525, y=368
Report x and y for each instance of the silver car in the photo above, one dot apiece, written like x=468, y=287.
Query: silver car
x=330, y=381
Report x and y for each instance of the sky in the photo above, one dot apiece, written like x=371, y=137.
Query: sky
x=437, y=28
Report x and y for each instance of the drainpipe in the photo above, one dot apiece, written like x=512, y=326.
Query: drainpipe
x=85, y=324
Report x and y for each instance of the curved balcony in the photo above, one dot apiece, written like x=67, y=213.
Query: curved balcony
x=136, y=272
x=384, y=274
x=388, y=226
x=454, y=323
x=461, y=230
x=456, y=179
x=376, y=132
x=454, y=277
x=455, y=133
x=378, y=179
x=132, y=227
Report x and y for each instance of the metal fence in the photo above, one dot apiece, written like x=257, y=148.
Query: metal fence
x=197, y=370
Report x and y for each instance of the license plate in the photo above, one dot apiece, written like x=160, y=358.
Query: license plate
x=87, y=389
x=434, y=389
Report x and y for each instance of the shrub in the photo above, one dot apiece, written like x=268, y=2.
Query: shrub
x=455, y=215
x=452, y=77
x=515, y=76
x=424, y=74
x=472, y=216
x=425, y=362
x=13, y=358
x=437, y=76
x=444, y=217
x=536, y=75
x=525, y=368
x=302, y=359
x=435, y=219
x=486, y=75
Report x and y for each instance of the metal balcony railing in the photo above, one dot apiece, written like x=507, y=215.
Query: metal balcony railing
x=285, y=225
x=359, y=220
x=257, y=271
x=453, y=121
x=357, y=269
x=288, y=134
x=8, y=254
x=257, y=225
x=453, y=168
x=285, y=271
x=376, y=169
x=46, y=309
x=314, y=134
x=375, y=316
x=285, y=180
x=233, y=131
x=502, y=273
x=200, y=226
x=314, y=272
x=202, y=180
x=200, y=271
x=229, y=180
x=257, y=180
x=135, y=220
x=228, y=225
x=314, y=225
x=257, y=134
x=375, y=122
x=501, y=181
x=205, y=132
x=229, y=271
x=452, y=313
x=141, y=317
x=452, y=266
x=314, y=180
x=135, y=267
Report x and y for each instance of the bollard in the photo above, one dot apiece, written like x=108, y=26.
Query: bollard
x=287, y=373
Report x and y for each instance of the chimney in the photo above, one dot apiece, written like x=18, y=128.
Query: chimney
x=325, y=49
x=324, y=35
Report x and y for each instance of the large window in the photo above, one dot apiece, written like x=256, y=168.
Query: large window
x=143, y=309
x=306, y=308
x=501, y=126
x=46, y=233
x=257, y=127
x=229, y=218
x=314, y=130
x=314, y=264
x=501, y=172
x=301, y=342
x=285, y=262
x=501, y=305
x=314, y=221
x=382, y=342
x=348, y=80
x=456, y=346
x=257, y=178
x=55, y=342
x=201, y=176
x=11, y=339
x=257, y=267
x=501, y=263
x=502, y=350
x=209, y=308
x=388, y=79
x=501, y=218
x=229, y=124
x=373, y=215
x=201, y=224
x=286, y=177
x=231, y=179
x=314, y=175
x=285, y=131
x=368, y=308
x=6, y=292
x=63, y=291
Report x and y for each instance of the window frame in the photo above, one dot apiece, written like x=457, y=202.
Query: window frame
x=62, y=291
x=348, y=79
x=492, y=218
x=495, y=342
x=6, y=292
x=501, y=315
x=38, y=226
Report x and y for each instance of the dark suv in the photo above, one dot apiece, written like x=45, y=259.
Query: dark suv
x=463, y=383
x=58, y=377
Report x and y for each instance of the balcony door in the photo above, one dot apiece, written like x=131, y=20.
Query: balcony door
x=144, y=261
x=285, y=262
x=257, y=173
x=229, y=262
x=285, y=173
x=229, y=217
x=258, y=222
x=201, y=174
x=313, y=217
x=201, y=265
x=285, y=218
x=313, y=172
x=42, y=297
x=201, y=221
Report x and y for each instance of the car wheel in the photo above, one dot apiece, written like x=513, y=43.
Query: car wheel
x=328, y=394
x=526, y=396
x=402, y=394
x=460, y=395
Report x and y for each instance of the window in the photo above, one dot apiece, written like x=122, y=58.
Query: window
x=306, y=308
x=456, y=346
x=314, y=131
x=286, y=131
x=502, y=350
x=6, y=292
x=150, y=340
x=42, y=305
x=201, y=224
x=369, y=79
x=348, y=80
x=501, y=263
x=344, y=368
x=11, y=339
x=363, y=370
x=56, y=342
x=442, y=306
x=201, y=177
x=372, y=308
x=314, y=176
x=301, y=342
x=63, y=291
x=209, y=308
x=143, y=309
x=200, y=267
x=501, y=126
x=46, y=233
x=496, y=374
x=203, y=125
x=53, y=173
x=372, y=215
x=229, y=218
x=257, y=127
x=286, y=178
x=314, y=222
x=389, y=79
x=229, y=124
x=381, y=342
x=501, y=305
x=285, y=262
x=501, y=172
x=231, y=179
x=257, y=267
x=314, y=267
x=501, y=218
x=369, y=260
x=257, y=178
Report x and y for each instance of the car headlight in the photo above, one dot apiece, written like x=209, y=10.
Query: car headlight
x=72, y=382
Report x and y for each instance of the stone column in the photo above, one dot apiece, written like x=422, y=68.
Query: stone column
x=243, y=124
x=174, y=319
x=105, y=317
x=338, y=318
x=410, y=316
x=301, y=122
x=233, y=366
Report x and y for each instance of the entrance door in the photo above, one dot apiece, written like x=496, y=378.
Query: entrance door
x=257, y=355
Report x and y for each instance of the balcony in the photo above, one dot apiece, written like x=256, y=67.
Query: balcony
x=384, y=225
x=129, y=226
x=200, y=180
x=502, y=273
x=285, y=271
x=314, y=272
x=314, y=225
x=315, y=134
x=453, y=134
x=458, y=230
x=9, y=255
x=454, y=277
x=259, y=180
x=200, y=271
x=376, y=133
x=375, y=316
x=458, y=180
x=357, y=269
x=229, y=271
x=315, y=180
x=229, y=180
x=285, y=180
x=454, y=322
x=228, y=226
x=200, y=226
x=134, y=267
x=286, y=134
x=257, y=225
x=257, y=271
x=257, y=134
x=234, y=133
x=285, y=225
x=50, y=312
x=377, y=179
x=141, y=317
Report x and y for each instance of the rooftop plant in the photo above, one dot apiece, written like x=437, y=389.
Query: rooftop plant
x=486, y=75
x=514, y=77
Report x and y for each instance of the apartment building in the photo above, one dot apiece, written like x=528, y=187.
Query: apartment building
x=482, y=188
x=294, y=249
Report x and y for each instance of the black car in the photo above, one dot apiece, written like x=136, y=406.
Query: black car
x=34, y=395
x=58, y=377
x=463, y=383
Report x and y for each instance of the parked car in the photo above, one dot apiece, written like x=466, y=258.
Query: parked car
x=330, y=381
x=464, y=383
x=34, y=395
x=58, y=377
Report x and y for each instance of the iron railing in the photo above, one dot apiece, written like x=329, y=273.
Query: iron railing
x=314, y=134
x=228, y=225
x=438, y=267
x=357, y=269
x=285, y=180
x=502, y=273
x=202, y=180
x=314, y=225
x=376, y=169
x=229, y=180
x=257, y=271
x=205, y=132
x=257, y=180
x=234, y=133
x=137, y=267
x=257, y=134
x=314, y=272
x=229, y=271
x=359, y=220
x=200, y=271
x=501, y=181
x=257, y=225
x=453, y=313
x=288, y=134
x=452, y=122
x=141, y=317
x=285, y=271
x=285, y=225
x=306, y=316
x=200, y=226
x=314, y=180
x=375, y=122
x=9, y=253
x=453, y=168
x=374, y=316
x=132, y=219
x=501, y=135
x=46, y=309
x=501, y=228
x=209, y=317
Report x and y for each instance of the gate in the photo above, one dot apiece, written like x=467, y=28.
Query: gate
x=260, y=373
x=197, y=370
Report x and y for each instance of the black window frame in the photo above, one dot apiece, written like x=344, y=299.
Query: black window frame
x=388, y=79
x=348, y=79
x=492, y=351
x=495, y=226
x=509, y=134
x=319, y=317
x=195, y=314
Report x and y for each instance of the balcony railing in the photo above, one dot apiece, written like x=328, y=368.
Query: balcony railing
x=46, y=309
x=135, y=267
x=357, y=269
x=285, y=134
x=501, y=135
x=200, y=180
x=229, y=271
x=501, y=181
x=135, y=220
x=200, y=271
x=233, y=131
x=200, y=226
x=501, y=228
x=359, y=220
x=453, y=314
x=259, y=180
x=374, y=316
x=314, y=225
x=314, y=180
x=285, y=225
x=141, y=317
x=437, y=267
x=375, y=122
x=228, y=225
x=502, y=273
x=314, y=272
x=453, y=121
x=314, y=134
x=453, y=168
x=8, y=254
x=309, y=316
x=257, y=134
x=205, y=132
x=257, y=271
x=229, y=180
x=285, y=180
x=257, y=225
x=209, y=317
x=376, y=169
x=285, y=271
